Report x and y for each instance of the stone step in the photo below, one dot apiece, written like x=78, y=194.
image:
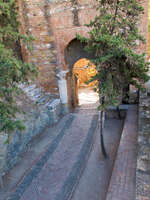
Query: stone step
x=122, y=183
x=57, y=172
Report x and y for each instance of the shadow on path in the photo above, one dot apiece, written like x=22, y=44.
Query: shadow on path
x=94, y=182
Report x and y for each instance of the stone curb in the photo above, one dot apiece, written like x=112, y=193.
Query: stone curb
x=121, y=185
x=143, y=156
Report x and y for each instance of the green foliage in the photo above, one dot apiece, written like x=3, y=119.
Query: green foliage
x=12, y=70
x=113, y=39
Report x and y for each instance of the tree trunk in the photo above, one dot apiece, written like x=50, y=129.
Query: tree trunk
x=119, y=113
x=101, y=121
x=125, y=99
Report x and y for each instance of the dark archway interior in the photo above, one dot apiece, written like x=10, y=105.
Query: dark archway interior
x=75, y=51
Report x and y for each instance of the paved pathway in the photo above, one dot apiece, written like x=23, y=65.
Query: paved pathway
x=122, y=184
x=30, y=157
x=56, y=172
x=63, y=171
x=94, y=182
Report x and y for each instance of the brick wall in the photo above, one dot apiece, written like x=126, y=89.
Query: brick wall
x=143, y=26
x=36, y=21
x=54, y=24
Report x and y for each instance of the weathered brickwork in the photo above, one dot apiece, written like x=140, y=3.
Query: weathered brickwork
x=143, y=26
x=37, y=23
x=53, y=24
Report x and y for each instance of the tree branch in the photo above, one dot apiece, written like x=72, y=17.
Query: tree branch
x=115, y=16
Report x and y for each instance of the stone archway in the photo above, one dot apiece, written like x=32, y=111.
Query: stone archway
x=74, y=52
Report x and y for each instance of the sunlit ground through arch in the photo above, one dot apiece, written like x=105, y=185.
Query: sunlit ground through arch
x=84, y=70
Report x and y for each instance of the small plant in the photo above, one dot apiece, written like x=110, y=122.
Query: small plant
x=114, y=38
x=12, y=69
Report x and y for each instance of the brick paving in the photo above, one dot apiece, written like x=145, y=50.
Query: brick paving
x=28, y=159
x=56, y=173
x=95, y=179
x=122, y=184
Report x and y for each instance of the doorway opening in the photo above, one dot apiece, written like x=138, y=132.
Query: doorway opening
x=83, y=71
x=78, y=65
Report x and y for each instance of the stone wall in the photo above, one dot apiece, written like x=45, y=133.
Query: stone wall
x=143, y=150
x=143, y=157
x=41, y=110
x=143, y=26
x=53, y=24
x=35, y=20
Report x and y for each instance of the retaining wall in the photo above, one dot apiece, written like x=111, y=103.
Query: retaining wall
x=46, y=111
x=143, y=157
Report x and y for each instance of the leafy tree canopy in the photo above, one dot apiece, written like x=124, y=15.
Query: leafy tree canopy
x=114, y=38
x=12, y=69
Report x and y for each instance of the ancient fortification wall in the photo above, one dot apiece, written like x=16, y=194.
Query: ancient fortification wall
x=143, y=25
x=53, y=24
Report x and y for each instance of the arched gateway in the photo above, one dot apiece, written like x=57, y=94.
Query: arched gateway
x=54, y=25
x=74, y=52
